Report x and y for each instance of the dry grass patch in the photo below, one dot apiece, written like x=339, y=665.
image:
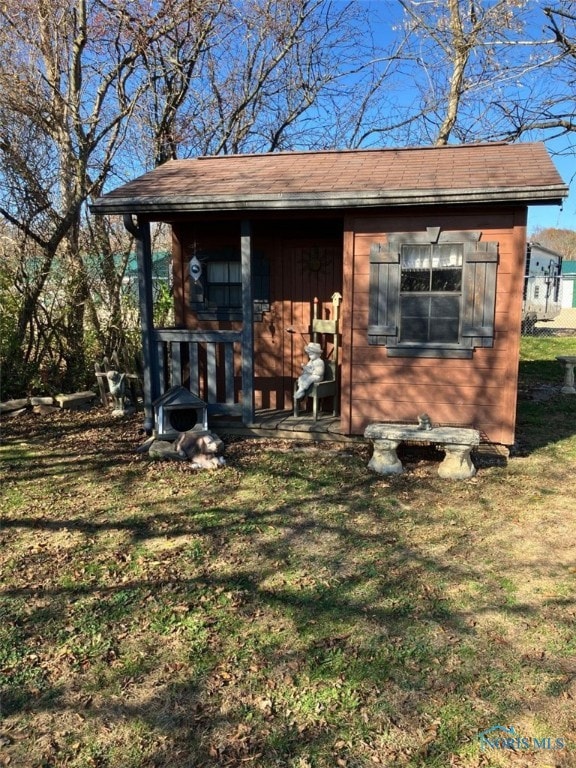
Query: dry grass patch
x=290, y=610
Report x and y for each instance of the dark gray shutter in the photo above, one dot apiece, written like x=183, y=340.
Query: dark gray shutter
x=479, y=294
x=384, y=294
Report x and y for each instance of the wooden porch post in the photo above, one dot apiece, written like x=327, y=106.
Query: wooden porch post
x=141, y=233
x=247, y=325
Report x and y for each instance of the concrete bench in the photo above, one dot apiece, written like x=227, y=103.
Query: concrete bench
x=457, y=443
x=569, y=363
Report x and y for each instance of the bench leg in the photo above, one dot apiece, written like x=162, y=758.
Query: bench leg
x=384, y=459
x=568, y=388
x=457, y=464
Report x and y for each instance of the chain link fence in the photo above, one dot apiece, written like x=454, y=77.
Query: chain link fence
x=549, y=310
x=562, y=325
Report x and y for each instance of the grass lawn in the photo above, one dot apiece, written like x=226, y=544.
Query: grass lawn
x=290, y=610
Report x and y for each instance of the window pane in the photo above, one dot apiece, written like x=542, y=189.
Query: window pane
x=218, y=271
x=431, y=268
x=218, y=295
x=444, y=317
x=445, y=306
x=235, y=292
x=415, y=257
x=429, y=319
x=415, y=280
x=415, y=261
x=446, y=280
x=234, y=272
x=415, y=306
x=430, y=288
x=224, y=287
x=447, y=267
x=414, y=313
x=414, y=329
x=444, y=330
x=447, y=255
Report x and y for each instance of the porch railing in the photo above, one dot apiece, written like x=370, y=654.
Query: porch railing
x=205, y=362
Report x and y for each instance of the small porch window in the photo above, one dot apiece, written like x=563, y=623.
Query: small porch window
x=217, y=295
x=224, y=284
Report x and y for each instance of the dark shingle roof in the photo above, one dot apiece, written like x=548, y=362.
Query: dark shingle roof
x=344, y=179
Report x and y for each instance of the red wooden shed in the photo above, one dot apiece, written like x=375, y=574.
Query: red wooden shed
x=426, y=246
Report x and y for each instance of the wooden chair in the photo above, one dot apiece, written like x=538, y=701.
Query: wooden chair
x=328, y=387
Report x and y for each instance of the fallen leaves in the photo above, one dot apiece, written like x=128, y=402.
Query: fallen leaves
x=287, y=611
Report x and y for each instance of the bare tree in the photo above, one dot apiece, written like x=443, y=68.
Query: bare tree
x=550, y=110
x=68, y=82
x=264, y=75
x=562, y=18
x=469, y=61
x=84, y=81
x=171, y=63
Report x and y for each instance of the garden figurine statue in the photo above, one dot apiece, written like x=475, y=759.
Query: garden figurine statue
x=312, y=371
x=424, y=422
x=116, y=384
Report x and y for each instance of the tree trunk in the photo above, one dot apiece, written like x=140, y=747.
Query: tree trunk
x=460, y=60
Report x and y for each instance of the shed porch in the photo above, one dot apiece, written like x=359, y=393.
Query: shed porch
x=283, y=425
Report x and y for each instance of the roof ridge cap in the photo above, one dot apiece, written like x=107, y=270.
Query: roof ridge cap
x=361, y=151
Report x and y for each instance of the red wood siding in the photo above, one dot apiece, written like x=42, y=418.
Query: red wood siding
x=478, y=392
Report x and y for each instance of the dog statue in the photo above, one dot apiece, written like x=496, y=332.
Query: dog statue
x=201, y=446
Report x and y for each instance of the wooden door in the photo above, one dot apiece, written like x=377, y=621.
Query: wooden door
x=309, y=269
x=300, y=270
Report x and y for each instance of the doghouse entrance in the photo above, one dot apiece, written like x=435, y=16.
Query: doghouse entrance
x=178, y=410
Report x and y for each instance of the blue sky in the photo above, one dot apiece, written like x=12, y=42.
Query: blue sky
x=540, y=217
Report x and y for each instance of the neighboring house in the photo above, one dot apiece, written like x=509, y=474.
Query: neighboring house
x=427, y=247
x=568, y=284
x=542, y=284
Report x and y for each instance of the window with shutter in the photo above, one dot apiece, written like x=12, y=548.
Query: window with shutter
x=432, y=294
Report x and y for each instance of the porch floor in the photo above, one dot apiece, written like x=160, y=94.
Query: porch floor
x=283, y=425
